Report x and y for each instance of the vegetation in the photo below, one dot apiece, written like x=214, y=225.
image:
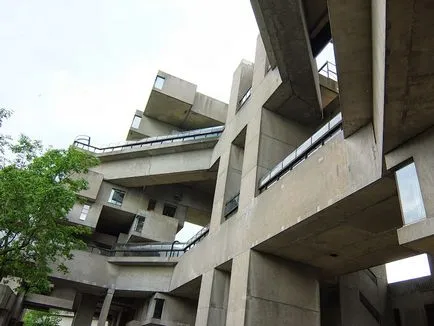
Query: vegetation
x=41, y=318
x=37, y=190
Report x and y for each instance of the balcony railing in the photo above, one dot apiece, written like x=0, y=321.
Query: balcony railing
x=318, y=139
x=151, y=249
x=328, y=70
x=232, y=205
x=198, y=134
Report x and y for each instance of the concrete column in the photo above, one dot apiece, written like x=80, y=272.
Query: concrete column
x=266, y=290
x=105, y=307
x=86, y=310
x=213, y=299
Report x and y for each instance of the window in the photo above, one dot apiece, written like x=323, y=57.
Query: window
x=169, y=210
x=136, y=121
x=84, y=212
x=140, y=222
x=410, y=196
x=245, y=97
x=158, y=311
x=116, y=197
x=159, y=82
x=151, y=204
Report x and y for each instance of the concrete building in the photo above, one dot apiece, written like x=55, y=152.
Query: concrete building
x=306, y=183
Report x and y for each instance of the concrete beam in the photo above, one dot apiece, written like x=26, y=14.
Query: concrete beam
x=283, y=28
x=352, y=40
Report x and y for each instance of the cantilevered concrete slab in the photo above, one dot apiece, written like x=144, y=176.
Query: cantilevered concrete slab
x=176, y=102
x=351, y=31
x=409, y=104
x=286, y=39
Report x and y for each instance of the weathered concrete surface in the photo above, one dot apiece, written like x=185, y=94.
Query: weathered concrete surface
x=409, y=99
x=284, y=31
x=86, y=310
x=352, y=40
x=213, y=298
x=178, y=104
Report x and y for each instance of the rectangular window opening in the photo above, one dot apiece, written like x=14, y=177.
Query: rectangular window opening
x=151, y=204
x=169, y=210
x=84, y=212
x=140, y=222
x=136, y=121
x=116, y=197
x=159, y=82
x=245, y=97
x=158, y=311
x=410, y=195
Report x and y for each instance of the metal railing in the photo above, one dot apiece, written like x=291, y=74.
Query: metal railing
x=317, y=140
x=198, y=134
x=232, y=205
x=328, y=70
x=151, y=249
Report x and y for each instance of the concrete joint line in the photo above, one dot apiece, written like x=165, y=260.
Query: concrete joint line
x=284, y=303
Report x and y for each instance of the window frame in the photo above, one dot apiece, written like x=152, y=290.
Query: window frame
x=135, y=119
x=84, y=212
x=158, y=313
x=169, y=206
x=114, y=202
x=152, y=203
x=159, y=82
x=244, y=98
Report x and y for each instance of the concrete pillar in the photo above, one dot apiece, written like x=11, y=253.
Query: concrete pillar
x=266, y=290
x=84, y=314
x=105, y=307
x=213, y=299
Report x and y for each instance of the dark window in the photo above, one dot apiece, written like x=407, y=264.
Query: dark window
x=429, y=310
x=169, y=210
x=140, y=222
x=397, y=317
x=151, y=204
x=158, y=311
x=116, y=197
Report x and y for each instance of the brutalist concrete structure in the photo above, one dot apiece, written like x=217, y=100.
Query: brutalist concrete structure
x=306, y=183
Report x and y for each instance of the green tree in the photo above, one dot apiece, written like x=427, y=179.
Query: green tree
x=37, y=190
x=41, y=318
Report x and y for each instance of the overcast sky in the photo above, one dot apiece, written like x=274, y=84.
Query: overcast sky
x=84, y=67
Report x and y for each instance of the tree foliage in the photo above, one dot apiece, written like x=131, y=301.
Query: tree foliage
x=37, y=190
x=41, y=318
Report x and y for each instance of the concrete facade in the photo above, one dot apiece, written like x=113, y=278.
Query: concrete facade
x=295, y=182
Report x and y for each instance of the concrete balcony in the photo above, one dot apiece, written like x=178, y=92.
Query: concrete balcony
x=175, y=102
x=150, y=226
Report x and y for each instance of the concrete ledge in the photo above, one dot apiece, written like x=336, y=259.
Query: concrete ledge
x=418, y=236
x=39, y=300
x=144, y=261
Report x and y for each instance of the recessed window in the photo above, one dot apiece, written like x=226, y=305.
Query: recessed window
x=151, y=204
x=136, y=121
x=169, y=210
x=159, y=82
x=116, y=197
x=410, y=196
x=84, y=212
x=158, y=311
x=245, y=97
x=140, y=222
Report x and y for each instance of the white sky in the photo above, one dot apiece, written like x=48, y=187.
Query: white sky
x=84, y=67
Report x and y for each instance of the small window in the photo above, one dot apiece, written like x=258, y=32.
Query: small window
x=169, y=210
x=140, y=222
x=151, y=204
x=158, y=311
x=159, y=82
x=84, y=212
x=245, y=97
x=136, y=121
x=116, y=197
x=410, y=196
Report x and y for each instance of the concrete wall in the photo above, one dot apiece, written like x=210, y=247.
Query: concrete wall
x=211, y=108
x=94, y=180
x=150, y=127
x=156, y=227
x=176, y=311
